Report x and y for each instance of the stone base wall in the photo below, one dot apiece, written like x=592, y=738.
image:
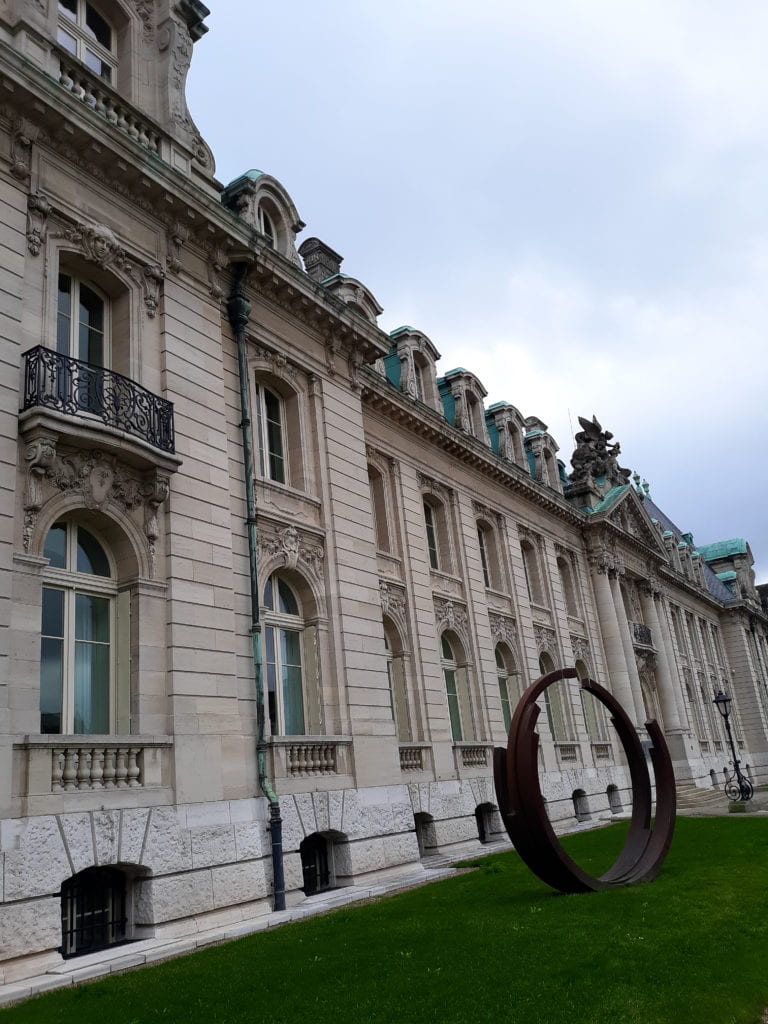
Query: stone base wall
x=197, y=866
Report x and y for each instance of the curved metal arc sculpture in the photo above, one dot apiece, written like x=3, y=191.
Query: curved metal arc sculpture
x=521, y=804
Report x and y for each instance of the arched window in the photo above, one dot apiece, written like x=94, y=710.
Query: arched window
x=594, y=716
x=270, y=435
x=614, y=799
x=283, y=635
x=266, y=225
x=489, y=557
x=438, y=544
x=554, y=706
x=453, y=661
x=581, y=805
x=377, y=487
x=316, y=852
x=398, y=695
x=509, y=683
x=77, y=646
x=83, y=32
x=569, y=591
x=532, y=573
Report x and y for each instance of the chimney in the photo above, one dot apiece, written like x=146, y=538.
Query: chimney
x=320, y=261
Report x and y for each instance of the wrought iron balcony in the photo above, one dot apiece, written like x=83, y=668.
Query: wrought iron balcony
x=76, y=388
x=641, y=635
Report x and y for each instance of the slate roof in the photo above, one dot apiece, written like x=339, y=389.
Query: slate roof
x=715, y=586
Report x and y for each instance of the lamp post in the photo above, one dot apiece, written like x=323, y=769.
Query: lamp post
x=739, y=788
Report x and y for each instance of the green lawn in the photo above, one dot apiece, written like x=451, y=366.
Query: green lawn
x=491, y=945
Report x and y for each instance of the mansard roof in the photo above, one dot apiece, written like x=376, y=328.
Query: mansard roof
x=723, y=549
x=715, y=586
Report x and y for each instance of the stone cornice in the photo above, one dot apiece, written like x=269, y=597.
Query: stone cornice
x=428, y=425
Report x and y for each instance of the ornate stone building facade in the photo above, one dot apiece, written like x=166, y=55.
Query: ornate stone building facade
x=417, y=558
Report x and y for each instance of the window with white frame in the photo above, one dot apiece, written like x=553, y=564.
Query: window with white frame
x=450, y=676
x=509, y=683
x=378, y=490
x=77, y=646
x=270, y=435
x=532, y=573
x=88, y=36
x=431, y=527
x=283, y=658
x=438, y=543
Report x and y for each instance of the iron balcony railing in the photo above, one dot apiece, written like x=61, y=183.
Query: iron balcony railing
x=77, y=388
x=642, y=634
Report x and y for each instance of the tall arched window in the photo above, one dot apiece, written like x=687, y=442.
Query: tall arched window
x=83, y=32
x=554, y=706
x=532, y=573
x=77, y=647
x=283, y=634
x=377, y=487
x=270, y=435
x=594, y=716
x=569, y=590
x=509, y=682
x=489, y=557
x=438, y=543
x=453, y=661
x=398, y=694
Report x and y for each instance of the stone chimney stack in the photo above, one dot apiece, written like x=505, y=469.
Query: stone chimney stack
x=320, y=261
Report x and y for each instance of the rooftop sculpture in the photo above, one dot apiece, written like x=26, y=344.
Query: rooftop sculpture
x=595, y=458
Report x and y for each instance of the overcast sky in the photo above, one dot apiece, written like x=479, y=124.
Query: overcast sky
x=567, y=196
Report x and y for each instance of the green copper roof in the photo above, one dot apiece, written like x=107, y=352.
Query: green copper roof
x=610, y=499
x=251, y=175
x=723, y=549
x=456, y=369
x=726, y=576
x=399, y=330
x=497, y=405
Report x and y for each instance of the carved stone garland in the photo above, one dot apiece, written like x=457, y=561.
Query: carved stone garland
x=449, y=615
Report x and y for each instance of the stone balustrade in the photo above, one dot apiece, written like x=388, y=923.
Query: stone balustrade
x=567, y=753
x=472, y=755
x=96, y=94
x=63, y=765
x=414, y=757
x=301, y=757
x=602, y=752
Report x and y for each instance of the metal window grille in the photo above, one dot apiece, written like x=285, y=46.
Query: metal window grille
x=93, y=914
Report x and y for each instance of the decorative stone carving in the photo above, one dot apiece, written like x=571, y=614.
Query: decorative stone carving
x=175, y=36
x=430, y=486
x=450, y=615
x=503, y=630
x=580, y=648
x=152, y=277
x=546, y=640
x=275, y=362
x=331, y=348
x=99, y=245
x=98, y=479
x=296, y=549
x=177, y=236
x=145, y=10
x=24, y=134
x=217, y=264
x=595, y=457
x=355, y=364
x=486, y=513
x=392, y=600
x=38, y=209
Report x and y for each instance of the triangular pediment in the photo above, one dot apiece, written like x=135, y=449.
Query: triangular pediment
x=627, y=514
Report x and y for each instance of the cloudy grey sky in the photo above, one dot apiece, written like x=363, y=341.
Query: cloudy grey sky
x=568, y=197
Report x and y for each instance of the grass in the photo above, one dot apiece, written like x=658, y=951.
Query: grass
x=491, y=945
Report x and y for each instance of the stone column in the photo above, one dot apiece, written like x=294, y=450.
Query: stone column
x=616, y=663
x=629, y=652
x=671, y=662
x=669, y=707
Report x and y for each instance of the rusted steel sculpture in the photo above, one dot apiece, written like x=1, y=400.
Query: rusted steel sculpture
x=518, y=792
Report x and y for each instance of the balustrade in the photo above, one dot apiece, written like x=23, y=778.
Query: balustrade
x=413, y=758
x=103, y=767
x=96, y=94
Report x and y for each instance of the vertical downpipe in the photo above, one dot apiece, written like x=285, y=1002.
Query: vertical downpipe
x=239, y=310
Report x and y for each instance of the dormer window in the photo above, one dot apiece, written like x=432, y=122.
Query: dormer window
x=85, y=34
x=266, y=227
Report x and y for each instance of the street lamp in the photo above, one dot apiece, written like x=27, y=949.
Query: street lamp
x=739, y=788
